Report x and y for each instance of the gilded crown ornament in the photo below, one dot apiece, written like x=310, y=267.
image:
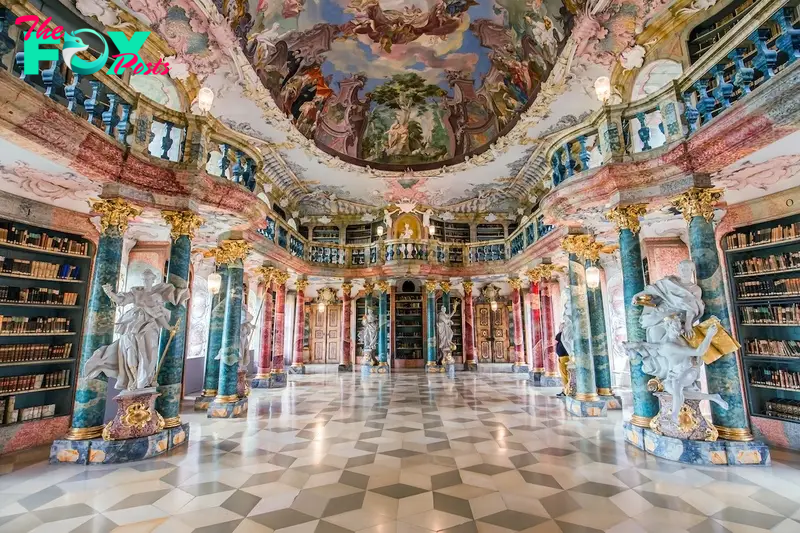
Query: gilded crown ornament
x=279, y=277
x=228, y=252
x=697, y=202
x=627, y=216
x=383, y=286
x=445, y=286
x=182, y=223
x=114, y=214
x=301, y=284
x=430, y=286
x=516, y=283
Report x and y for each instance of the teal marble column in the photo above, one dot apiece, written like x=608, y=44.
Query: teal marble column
x=722, y=376
x=585, y=388
x=645, y=405
x=383, y=327
x=430, y=292
x=170, y=374
x=90, y=394
x=211, y=375
x=599, y=346
x=227, y=403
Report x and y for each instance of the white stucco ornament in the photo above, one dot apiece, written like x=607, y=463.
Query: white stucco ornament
x=633, y=57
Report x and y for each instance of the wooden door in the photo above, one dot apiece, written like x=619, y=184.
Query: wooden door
x=483, y=332
x=500, y=334
x=325, y=334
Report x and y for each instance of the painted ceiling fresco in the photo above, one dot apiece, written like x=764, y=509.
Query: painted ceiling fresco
x=398, y=83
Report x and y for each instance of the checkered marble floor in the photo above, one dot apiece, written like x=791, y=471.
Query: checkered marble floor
x=405, y=453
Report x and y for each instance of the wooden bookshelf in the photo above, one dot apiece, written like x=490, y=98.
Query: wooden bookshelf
x=409, y=339
x=34, y=259
x=763, y=260
x=361, y=233
x=325, y=234
x=490, y=232
x=712, y=29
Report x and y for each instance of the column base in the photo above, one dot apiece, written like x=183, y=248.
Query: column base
x=297, y=369
x=234, y=409
x=697, y=452
x=550, y=381
x=471, y=366
x=520, y=368
x=382, y=368
x=535, y=377
x=202, y=402
x=346, y=367
x=613, y=402
x=103, y=452
x=433, y=368
x=585, y=408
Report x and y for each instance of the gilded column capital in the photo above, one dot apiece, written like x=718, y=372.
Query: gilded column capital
x=182, y=223
x=301, y=284
x=430, y=286
x=230, y=251
x=534, y=275
x=546, y=270
x=369, y=287
x=445, y=286
x=383, y=286
x=467, y=285
x=575, y=244
x=114, y=214
x=265, y=273
x=586, y=247
x=697, y=202
x=279, y=277
x=516, y=283
x=627, y=216
x=346, y=288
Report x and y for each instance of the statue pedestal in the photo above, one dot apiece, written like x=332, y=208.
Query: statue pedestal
x=136, y=415
x=585, y=408
x=242, y=388
x=550, y=381
x=297, y=369
x=613, y=402
x=690, y=425
x=236, y=408
x=382, y=368
x=346, y=367
x=521, y=368
x=471, y=366
x=202, y=402
x=450, y=370
x=101, y=452
x=433, y=368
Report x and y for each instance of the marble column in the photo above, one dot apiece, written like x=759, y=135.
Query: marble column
x=469, y=328
x=170, y=375
x=298, y=367
x=261, y=379
x=537, y=355
x=383, y=327
x=90, y=394
x=216, y=323
x=445, y=286
x=551, y=377
x=430, y=360
x=645, y=405
x=520, y=364
x=723, y=375
x=277, y=377
x=227, y=403
x=599, y=345
x=586, y=402
x=347, y=343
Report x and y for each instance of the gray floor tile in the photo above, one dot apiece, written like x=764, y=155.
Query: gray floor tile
x=241, y=502
x=97, y=524
x=452, y=505
x=224, y=527
x=54, y=514
x=535, y=478
x=398, y=491
x=513, y=520
x=143, y=498
x=709, y=525
x=282, y=518
x=201, y=489
x=749, y=518
x=446, y=479
x=598, y=489
x=487, y=469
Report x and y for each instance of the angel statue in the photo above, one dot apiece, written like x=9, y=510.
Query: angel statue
x=245, y=332
x=408, y=233
x=368, y=336
x=133, y=357
x=678, y=295
x=444, y=333
x=676, y=364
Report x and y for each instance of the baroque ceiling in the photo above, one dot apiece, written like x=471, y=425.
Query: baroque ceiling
x=358, y=104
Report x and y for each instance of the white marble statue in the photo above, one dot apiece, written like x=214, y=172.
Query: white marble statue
x=369, y=336
x=444, y=331
x=426, y=218
x=676, y=364
x=132, y=358
x=672, y=295
x=387, y=221
x=408, y=233
x=245, y=333
x=567, y=333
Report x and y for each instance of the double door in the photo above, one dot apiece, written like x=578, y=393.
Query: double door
x=491, y=333
x=326, y=334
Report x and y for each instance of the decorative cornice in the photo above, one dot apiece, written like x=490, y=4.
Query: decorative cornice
x=301, y=284
x=516, y=283
x=430, y=286
x=627, y=216
x=445, y=286
x=697, y=202
x=279, y=277
x=230, y=251
x=182, y=223
x=383, y=286
x=114, y=214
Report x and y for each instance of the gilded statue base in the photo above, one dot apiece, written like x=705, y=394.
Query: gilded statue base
x=242, y=387
x=136, y=416
x=100, y=452
x=690, y=425
x=585, y=408
x=697, y=452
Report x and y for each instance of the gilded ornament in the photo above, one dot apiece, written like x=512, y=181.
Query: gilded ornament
x=182, y=223
x=280, y=278
x=114, y=214
x=346, y=288
x=516, y=283
x=586, y=247
x=430, y=286
x=627, y=216
x=301, y=284
x=445, y=286
x=534, y=275
x=546, y=270
x=697, y=202
x=383, y=286
x=369, y=287
x=467, y=285
x=136, y=415
x=228, y=252
x=265, y=272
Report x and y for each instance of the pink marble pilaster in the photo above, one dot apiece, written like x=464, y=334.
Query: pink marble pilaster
x=280, y=321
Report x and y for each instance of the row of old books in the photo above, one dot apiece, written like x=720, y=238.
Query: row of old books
x=39, y=295
x=771, y=314
x=38, y=269
x=762, y=236
x=774, y=377
x=772, y=263
x=772, y=347
x=10, y=415
x=783, y=408
x=11, y=233
x=768, y=287
x=34, y=381
x=19, y=353
x=12, y=325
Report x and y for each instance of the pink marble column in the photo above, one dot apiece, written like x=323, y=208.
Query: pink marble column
x=537, y=358
x=520, y=365
x=469, y=328
x=551, y=376
x=261, y=379
x=299, y=328
x=347, y=343
x=280, y=321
